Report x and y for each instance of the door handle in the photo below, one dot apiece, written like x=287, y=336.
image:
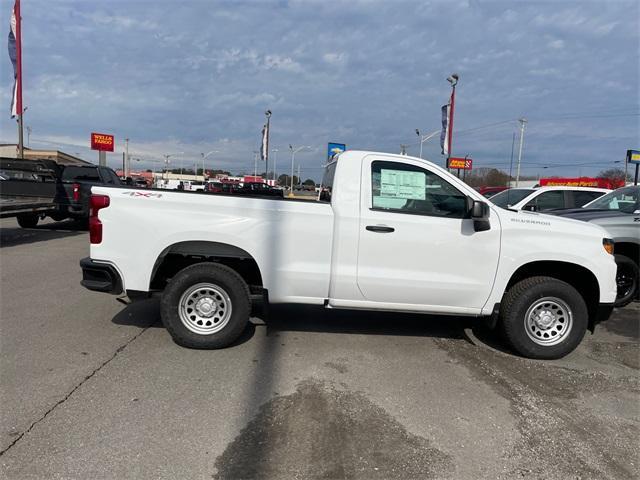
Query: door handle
x=380, y=228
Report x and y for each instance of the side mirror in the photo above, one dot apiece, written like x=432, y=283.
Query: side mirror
x=531, y=207
x=480, y=216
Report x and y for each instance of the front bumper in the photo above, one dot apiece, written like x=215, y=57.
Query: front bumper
x=100, y=277
x=604, y=312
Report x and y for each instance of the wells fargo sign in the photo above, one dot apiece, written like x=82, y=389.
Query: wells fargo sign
x=102, y=142
x=460, y=163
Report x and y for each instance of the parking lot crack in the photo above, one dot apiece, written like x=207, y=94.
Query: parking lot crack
x=120, y=349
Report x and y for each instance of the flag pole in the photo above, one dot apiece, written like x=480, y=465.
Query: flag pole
x=19, y=108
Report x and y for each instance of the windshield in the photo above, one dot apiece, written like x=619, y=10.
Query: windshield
x=511, y=196
x=80, y=173
x=626, y=199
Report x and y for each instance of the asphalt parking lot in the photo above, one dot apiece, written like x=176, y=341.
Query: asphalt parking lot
x=91, y=388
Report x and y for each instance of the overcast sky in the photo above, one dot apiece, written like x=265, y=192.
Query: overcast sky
x=196, y=76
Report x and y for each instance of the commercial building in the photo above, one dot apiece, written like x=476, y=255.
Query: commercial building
x=10, y=150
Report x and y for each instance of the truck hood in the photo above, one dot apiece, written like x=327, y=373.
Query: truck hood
x=535, y=221
x=587, y=214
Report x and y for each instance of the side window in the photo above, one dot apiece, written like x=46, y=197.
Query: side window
x=548, y=200
x=114, y=177
x=106, y=176
x=581, y=198
x=404, y=188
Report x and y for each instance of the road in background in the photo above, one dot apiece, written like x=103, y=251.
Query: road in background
x=94, y=389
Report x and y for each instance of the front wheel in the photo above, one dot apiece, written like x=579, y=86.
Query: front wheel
x=627, y=278
x=205, y=306
x=544, y=318
x=27, y=220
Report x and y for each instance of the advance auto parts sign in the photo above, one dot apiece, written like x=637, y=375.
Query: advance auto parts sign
x=102, y=141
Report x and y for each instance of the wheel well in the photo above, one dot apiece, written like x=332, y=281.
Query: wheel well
x=579, y=277
x=183, y=254
x=628, y=249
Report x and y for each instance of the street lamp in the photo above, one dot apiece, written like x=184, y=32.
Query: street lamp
x=205, y=155
x=453, y=80
x=293, y=156
x=424, y=138
x=166, y=160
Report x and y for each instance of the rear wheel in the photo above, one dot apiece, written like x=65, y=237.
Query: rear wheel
x=27, y=220
x=627, y=278
x=542, y=317
x=205, y=306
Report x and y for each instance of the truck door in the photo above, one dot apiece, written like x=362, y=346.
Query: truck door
x=415, y=246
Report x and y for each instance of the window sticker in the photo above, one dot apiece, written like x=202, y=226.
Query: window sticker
x=402, y=184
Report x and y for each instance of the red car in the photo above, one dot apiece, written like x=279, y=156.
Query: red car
x=490, y=191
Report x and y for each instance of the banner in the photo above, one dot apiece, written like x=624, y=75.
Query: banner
x=444, y=135
x=264, y=147
x=13, y=56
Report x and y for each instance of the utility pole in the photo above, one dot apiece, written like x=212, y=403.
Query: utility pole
x=299, y=180
x=127, y=172
x=28, y=136
x=255, y=163
x=403, y=149
x=293, y=156
x=275, y=161
x=523, y=122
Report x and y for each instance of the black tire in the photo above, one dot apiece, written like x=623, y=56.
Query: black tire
x=569, y=327
x=27, y=220
x=627, y=279
x=227, y=283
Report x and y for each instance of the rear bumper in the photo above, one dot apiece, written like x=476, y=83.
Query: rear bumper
x=100, y=277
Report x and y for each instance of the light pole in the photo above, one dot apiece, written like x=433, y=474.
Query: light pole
x=275, y=161
x=293, y=156
x=166, y=160
x=424, y=138
x=266, y=141
x=453, y=80
x=205, y=155
x=523, y=122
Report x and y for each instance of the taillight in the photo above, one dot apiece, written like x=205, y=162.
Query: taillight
x=76, y=192
x=96, y=203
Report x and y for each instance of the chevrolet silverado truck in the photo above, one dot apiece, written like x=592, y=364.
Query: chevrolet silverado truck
x=391, y=233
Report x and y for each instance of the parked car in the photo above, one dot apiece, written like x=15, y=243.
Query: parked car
x=488, y=192
x=542, y=199
x=618, y=212
x=396, y=234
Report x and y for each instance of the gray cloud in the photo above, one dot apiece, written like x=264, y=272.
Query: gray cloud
x=195, y=76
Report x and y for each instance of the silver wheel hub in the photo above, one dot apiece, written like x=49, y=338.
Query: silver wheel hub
x=548, y=321
x=205, y=308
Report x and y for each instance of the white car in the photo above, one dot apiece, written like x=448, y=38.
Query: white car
x=540, y=199
x=392, y=233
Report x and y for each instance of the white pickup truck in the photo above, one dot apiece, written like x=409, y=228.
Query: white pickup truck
x=389, y=232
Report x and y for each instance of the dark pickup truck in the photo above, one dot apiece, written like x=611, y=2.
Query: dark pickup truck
x=35, y=189
x=76, y=181
x=28, y=189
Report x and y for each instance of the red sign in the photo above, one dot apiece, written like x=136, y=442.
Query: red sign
x=460, y=163
x=581, y=182
x=102, y=141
